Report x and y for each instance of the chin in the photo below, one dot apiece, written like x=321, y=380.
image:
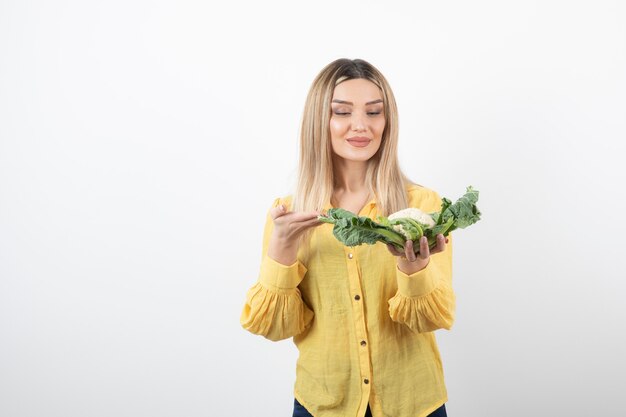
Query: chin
x=360, y=158
x=356, y=155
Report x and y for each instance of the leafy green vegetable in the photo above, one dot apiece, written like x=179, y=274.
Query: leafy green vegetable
x=410, y=223
x=353, y=230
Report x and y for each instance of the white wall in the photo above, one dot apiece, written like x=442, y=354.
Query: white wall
x=130, y=133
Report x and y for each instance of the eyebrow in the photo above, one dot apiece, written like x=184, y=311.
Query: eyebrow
x=351, y=103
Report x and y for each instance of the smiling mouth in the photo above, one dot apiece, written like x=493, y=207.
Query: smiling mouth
x=359, y=143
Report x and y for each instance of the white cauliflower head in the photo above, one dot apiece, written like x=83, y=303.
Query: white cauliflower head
x=415, y=214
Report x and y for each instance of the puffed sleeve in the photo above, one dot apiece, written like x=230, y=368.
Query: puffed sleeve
x=274, y=308
x=425, y=300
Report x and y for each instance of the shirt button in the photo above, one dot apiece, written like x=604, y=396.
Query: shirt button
x=363, y=343
x=366, y=381
x=357, y=297
x=350, y=255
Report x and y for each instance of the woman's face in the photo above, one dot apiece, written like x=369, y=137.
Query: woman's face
x=357, y=120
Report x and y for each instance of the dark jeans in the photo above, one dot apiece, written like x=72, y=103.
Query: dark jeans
x=300, y=411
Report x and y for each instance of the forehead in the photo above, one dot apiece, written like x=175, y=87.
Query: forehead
x=358, y=91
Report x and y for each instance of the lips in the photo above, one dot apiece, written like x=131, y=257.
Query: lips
x=359, y=142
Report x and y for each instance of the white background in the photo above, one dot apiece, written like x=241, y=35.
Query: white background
x=142, y=143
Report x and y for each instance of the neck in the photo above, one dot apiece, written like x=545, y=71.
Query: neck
x=350, y=176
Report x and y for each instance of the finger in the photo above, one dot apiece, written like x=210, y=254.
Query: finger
x=441, y=243
x=424, y=250
x=301, y=226
x=408, y=249
x=393, y=250
x=277, y=211
x=310, y=223
x=296, y=217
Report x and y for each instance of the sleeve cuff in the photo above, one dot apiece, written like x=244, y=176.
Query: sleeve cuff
x=418, y=283
x=277, y=276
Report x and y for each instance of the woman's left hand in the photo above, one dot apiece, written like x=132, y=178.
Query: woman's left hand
x=409, y=262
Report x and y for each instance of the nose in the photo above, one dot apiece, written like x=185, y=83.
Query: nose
x=358, y=124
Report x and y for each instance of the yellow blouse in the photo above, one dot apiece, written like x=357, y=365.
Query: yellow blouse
x=363, y=328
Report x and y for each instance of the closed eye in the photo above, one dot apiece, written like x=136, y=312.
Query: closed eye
x=369, y=113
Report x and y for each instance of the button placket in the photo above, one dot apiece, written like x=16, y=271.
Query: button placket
x=360, y=326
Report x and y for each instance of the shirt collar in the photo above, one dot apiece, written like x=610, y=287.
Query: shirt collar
x=370, y=203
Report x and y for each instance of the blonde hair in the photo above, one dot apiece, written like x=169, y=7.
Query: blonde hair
x=315, y=182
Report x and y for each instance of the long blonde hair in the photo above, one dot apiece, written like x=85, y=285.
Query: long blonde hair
x=315, y=182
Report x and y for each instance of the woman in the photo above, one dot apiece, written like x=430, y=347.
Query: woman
x=362, y=317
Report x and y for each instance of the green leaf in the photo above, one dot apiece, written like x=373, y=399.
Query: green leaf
x=353, y=230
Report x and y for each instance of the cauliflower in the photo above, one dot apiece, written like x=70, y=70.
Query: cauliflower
x=415, y=214
x=410, y=222
x=403, y=225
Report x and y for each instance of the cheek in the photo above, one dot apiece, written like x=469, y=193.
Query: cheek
x=378, y=143
x=380, y=126
x=337, y=126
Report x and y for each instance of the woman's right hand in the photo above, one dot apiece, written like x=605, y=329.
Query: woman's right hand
x=288, y=227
